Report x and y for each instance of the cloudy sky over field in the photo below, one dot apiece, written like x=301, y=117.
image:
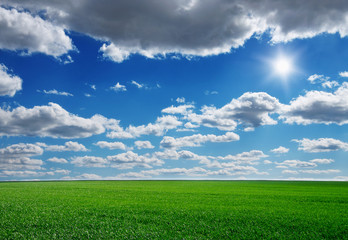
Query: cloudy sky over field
x=180, y=89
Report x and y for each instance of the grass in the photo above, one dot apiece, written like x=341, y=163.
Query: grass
x=174, y=210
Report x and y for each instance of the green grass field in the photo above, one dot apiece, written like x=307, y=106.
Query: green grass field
x=174, y=210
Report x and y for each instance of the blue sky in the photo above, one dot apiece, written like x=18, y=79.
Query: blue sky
x=173, y=90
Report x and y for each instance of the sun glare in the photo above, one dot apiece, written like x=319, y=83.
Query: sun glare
x=282, y=66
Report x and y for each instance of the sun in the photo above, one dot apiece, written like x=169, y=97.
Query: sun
x=282, y=66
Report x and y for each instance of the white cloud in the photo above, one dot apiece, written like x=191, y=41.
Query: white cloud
x=280, y=150
x=119, y=87
x=130, y=160
x=267, y=162
x=330, y=84
x=253, y=155
x=344, y=74
x=250, y=110
x=196, y=140
x=17, y=157
x=111, y=145
x=22, y=174
x=322, y=161
x=9, y=83
x=297, y=164
x=138, y=85
x=89, y=176
x=181, y=109
x=50, y=121
x=318, y=107
x=290, y=172
x=207, y=92
x=180, y=100
x=315, y=78
x=143, y=144
x=21, y=31
x=89, y=161
x=160, y=127
x=55, y=92
x=57, y=160
x=321, y=171
x=68, y=146
x=128, y=28
x=321, y=145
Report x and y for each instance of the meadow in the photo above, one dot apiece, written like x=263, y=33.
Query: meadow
x=174, y=210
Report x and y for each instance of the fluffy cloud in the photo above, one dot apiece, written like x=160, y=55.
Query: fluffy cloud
x=344, y=74
x=318, y=107
x=315, y=78
x=322, y=161
x=57, y=160
x=280, y=149
x=89, y=161
x=253, y=155
x=321, y=145
x=55, y=92
x=119, y=87
x=211, y=27
x=161, y=126
x=50, y=121
x=17, y=157
x=111, y=145
x=25, y=173
x=321, y=171
x=251, y=110
x=21, y=31
x=68, y=146
x=9, y=83
x=131, y=160
x=181, y=109
x=143, y=144
x=297, y=164
x=196, y=140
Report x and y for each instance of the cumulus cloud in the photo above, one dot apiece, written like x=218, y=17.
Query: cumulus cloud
x=297, y=164
x=322, y=161
x=130, y=160
x=89, y=161
x=318, y=107
x=20, y=174
x=18, y=157
x=119, y=87
x=160, y=127
x=330, y=84
x=9, y=83
x=316, y=78
x=181, y=109
x=211, y=27
x=50, y=121
x=328, y=171
x=290, y=172
x=143, y=144
x=180, y=100
x=68, y=146
x=250, y=110
x=344, y=74
x=55, y=92
x=280, y=150
x=22, y=31
x=196, y=140
x=253, y=155
x=57, y=160
x=321, y=145
x=111, y=145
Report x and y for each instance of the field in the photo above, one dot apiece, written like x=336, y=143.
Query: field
x=174, y=210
